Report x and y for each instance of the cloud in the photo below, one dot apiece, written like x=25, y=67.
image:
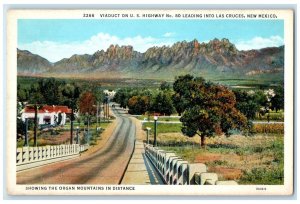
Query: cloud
x=55, y=51
x=259, y=42
x=169, y=34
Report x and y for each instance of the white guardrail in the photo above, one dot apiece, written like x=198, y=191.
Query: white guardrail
x=175, y=171
x=29, y=157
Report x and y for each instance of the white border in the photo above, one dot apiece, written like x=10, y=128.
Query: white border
x=286, y=189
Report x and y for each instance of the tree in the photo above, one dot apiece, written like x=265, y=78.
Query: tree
x=36, y=101
x=163, y=104
x=22, y=94
x=86, y=103
x=277, y=102
x=122, y=96
x=246, y=103
x=181, y=90
x=209, y=109
x=164, y=86
x=71, y=93
x=51, y=90
x=138, y=104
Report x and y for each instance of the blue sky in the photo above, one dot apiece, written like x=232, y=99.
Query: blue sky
x=57, y=39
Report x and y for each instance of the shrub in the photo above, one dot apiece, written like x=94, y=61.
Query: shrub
x=274, y=176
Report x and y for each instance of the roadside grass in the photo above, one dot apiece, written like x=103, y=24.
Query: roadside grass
x=162, y=118
x=267, y=129
x=273, y=116
x=249, y=160
x=103, y=124
x=163, y=127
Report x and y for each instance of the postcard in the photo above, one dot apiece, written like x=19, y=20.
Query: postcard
x=150, y=102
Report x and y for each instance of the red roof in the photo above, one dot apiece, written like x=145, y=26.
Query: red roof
x=48, y=109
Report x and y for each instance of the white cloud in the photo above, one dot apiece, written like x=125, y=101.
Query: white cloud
x=169, y=34
x=55, y=51
x=259, y=42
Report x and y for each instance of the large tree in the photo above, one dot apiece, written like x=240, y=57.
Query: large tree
x=162, y=104
x=71, y=93
x=51, y=90
x=209, y=109
x=277, y=101
x=122, y=96
x=138, y=104
x=246, y=103
x=87, y=103
x=181, y=89
x=36, y=102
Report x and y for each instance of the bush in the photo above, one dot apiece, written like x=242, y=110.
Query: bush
x=274, y=176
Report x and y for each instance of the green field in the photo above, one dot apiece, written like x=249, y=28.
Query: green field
x=233, y=80
x=26, y=82
x=256, y=159
x=248, y=160
x=273, y=116
x=163, y=127
x=145, y=117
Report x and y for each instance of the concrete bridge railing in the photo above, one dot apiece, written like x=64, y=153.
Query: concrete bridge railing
x=29, y=157
x=176, y=171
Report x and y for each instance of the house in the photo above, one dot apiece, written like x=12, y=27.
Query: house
x=53, y=115
x=109, y=93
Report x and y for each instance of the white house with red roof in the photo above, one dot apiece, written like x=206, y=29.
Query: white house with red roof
x=47, y=114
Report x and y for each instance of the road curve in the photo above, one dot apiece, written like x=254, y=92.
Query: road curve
x=105, y=166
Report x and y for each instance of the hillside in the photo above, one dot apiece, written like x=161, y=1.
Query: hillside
x=29, y=63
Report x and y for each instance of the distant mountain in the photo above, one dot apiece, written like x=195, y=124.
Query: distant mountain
x=182, y=57
x=29, y=63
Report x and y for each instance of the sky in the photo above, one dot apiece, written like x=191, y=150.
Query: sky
x=61, y=38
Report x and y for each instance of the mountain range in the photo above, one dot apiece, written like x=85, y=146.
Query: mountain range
x=182, y=57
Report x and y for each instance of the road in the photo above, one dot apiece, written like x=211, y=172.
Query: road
x=106, y=166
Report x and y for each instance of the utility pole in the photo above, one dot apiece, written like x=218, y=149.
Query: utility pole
x=72, y=118
x=155, y=130
x=88, y=128
x=148, y=133
x=100, y=115
x=108, y=108
x=35, y=124
x=97, y=117
x=26, y=133
x=77, y=134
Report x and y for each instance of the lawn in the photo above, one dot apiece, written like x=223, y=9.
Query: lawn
x=61, y=135
x=160, y=118
x=163, y=127
x=103, y=125
x=249, y=160
x=256, y=159
x=273, y=116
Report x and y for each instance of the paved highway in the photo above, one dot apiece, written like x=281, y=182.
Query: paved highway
x=106, y=166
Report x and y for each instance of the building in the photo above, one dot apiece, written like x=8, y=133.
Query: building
x=110, y=94
x=47, y=114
